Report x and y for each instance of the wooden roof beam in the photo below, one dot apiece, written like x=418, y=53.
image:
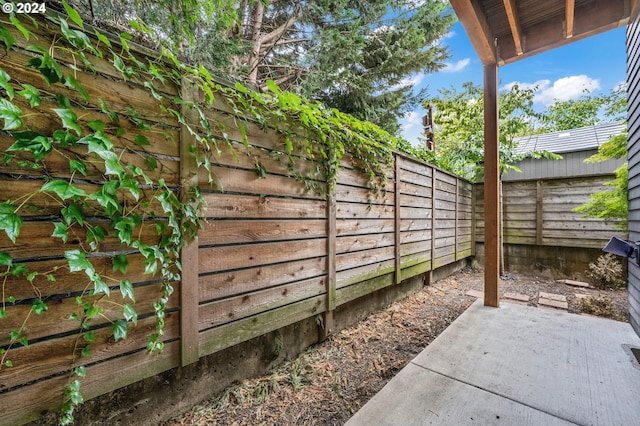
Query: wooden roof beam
x=514, y=24
x=570, y=12
x=475, y=23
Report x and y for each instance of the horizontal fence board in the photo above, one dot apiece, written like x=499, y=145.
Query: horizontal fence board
x=355, y=275
x=363, y=211
x=246, y=231
x=348, y=293
x=367, y=257
x=215, y=259
x=226, y=284
x=230, y=334
x=54, y=356
x=227, y=310
x=262, y=207
x=354, y=194
x=413, y=201
x=24, y=405
x=56, y=319
x=249, y=182
x=358, y=243
x=363, y=226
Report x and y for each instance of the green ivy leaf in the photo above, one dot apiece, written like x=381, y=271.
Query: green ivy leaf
x=113, y=116
x=10, y=222
x=86, y=351
x=97, y=125
x=60, y=231
x=69, y=119
x=96, y=234
x=24, y=341
x=5, y=259
x=125, y=226
x=80, y=371
x=78, y=166
x=8, y=363
x=151, y=162
x=39, y=307
x=63, y=189
x=64, y=138
x=31, y=94
x=130, y=314
x=3, y=313
x=16, y=23
x=73, y=14
x=102, y=38
x=11, y=114
x=153, y=90
x=77, y=261
x=126, y=288
x=120, y=263
x=4, y=83
x=36, y=143
x=141, y=140
x=91, y=310
x=7, y=38
x=72, y=83
x=99, y=286
x=120, y=329
x=89, y=337
x=71, y=213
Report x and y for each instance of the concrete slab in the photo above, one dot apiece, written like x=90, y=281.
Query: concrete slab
x=434, y=399
x=516, y=362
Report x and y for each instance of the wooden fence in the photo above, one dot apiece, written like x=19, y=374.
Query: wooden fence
x=540, y=212
x=271, y=253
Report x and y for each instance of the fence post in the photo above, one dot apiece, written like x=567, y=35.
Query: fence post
x=189, y=256
x=433, y=220
x=539, y=212
x=327, y=315
x=455, y=234
x=397, y=222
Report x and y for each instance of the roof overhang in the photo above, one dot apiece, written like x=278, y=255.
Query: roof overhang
x=504, y=31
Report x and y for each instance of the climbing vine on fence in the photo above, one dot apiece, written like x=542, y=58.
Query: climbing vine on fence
x=105, y=196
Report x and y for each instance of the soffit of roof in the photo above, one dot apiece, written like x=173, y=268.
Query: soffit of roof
x=504, y=31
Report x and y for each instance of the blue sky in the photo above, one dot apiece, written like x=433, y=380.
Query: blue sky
x=597, y=64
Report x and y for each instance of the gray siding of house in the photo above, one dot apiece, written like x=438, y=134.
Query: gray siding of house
x=633, y=125
x=571, y=165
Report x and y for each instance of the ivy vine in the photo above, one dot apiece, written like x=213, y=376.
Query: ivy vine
x=125, y=203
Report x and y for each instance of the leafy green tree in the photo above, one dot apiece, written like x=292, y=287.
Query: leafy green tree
x=356, y=56
x=572, y=114
x=612, y=205
x=459, y=118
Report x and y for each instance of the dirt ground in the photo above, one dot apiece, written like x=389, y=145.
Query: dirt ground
x=330, y=381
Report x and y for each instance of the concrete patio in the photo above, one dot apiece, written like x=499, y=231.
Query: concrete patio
x=516, y=365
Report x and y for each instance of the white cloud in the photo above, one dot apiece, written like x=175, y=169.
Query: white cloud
x=456, y=66
x=566, y=88
x=411, y=127
x=563, y=89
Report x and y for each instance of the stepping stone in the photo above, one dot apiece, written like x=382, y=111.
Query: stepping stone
x=475, y=293
x=575, y=283
x=518, y=298
x=553, y=300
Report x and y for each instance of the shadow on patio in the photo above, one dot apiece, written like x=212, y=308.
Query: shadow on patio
x=516, y=365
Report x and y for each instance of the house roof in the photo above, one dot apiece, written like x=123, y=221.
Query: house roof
x=584, y=138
